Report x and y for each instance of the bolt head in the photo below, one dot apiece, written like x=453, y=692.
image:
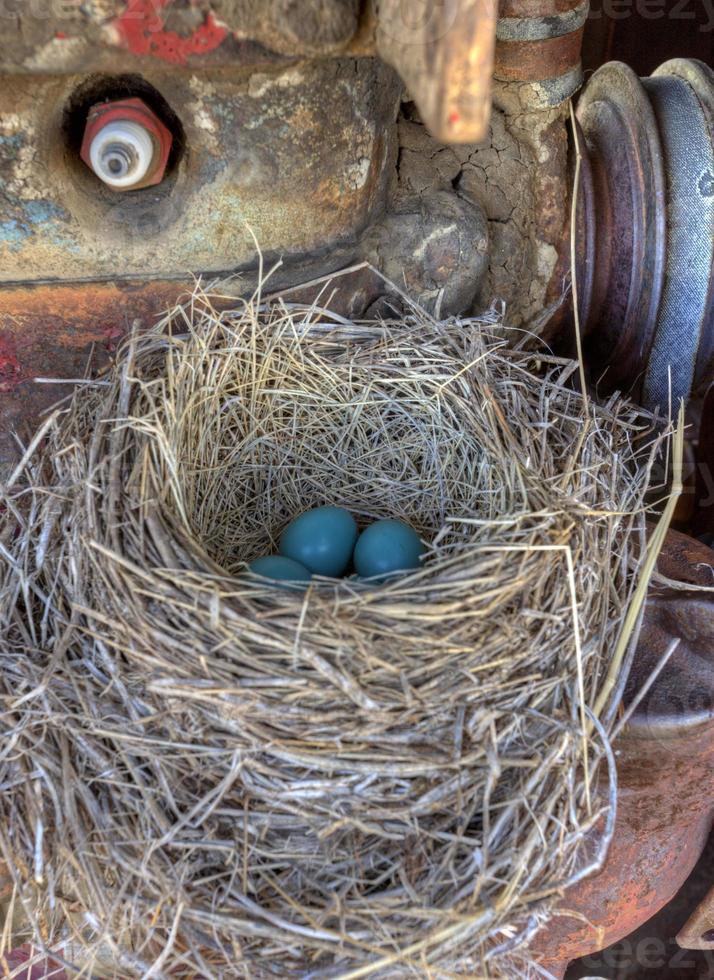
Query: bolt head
x=126, y=144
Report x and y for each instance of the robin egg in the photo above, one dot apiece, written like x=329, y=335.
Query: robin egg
x=386, y=547
x=322, y=540
x=279, y=569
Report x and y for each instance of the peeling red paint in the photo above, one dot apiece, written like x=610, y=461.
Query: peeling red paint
x=141, y=30
x=10, y=374
x=112, y=336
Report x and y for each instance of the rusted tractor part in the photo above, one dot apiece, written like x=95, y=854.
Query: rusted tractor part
x=540, y=42
x=646, y=228
x=126, y=144
x=665, y=770
x=323, y=183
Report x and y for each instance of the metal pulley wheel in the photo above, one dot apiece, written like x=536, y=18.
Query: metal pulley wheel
x=682, y=96
x=646, y=227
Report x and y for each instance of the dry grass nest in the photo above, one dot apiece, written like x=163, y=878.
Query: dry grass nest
x=204, y=775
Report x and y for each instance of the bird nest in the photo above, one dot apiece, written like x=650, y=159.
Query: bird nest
x=206, y=775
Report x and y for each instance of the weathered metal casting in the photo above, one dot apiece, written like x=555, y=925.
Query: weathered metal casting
x=265, y=154
x=428, y=237
x=646, y=228
x=665, y=770
x=443, y=51
x=135, y=35
x=323, y=183
x=253, y=136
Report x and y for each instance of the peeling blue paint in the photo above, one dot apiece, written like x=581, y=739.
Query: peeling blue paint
x=13, y=141
x=34, y=216
x=40, y=211
x=12, y=232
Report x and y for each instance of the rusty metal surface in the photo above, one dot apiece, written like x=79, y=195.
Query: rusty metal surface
x=666, y=775
x=533, y=61
x=652, y=952
x=661, y=831
x=59, y=331
x=535, y=20
x=268, y=155
x=686, y=560
x=626, y=270
x=682, y=699
x=430, y=238
x=538, y=8
x=427, y=236
x=444, y=53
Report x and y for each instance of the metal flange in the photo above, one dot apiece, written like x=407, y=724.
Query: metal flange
x=624, y=182
x=646, y=222
x=682, y=95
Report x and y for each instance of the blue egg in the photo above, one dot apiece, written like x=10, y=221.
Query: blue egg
x=322, y=540
x=386, y=547
x=279, y=569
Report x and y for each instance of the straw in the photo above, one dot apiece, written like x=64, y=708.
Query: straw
x=205, y=775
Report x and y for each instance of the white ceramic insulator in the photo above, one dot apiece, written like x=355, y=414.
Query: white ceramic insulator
x=121, y=153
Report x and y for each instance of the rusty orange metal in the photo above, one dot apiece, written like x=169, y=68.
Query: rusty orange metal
x=665, y=771
x=62, y=330
x=534, y=61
